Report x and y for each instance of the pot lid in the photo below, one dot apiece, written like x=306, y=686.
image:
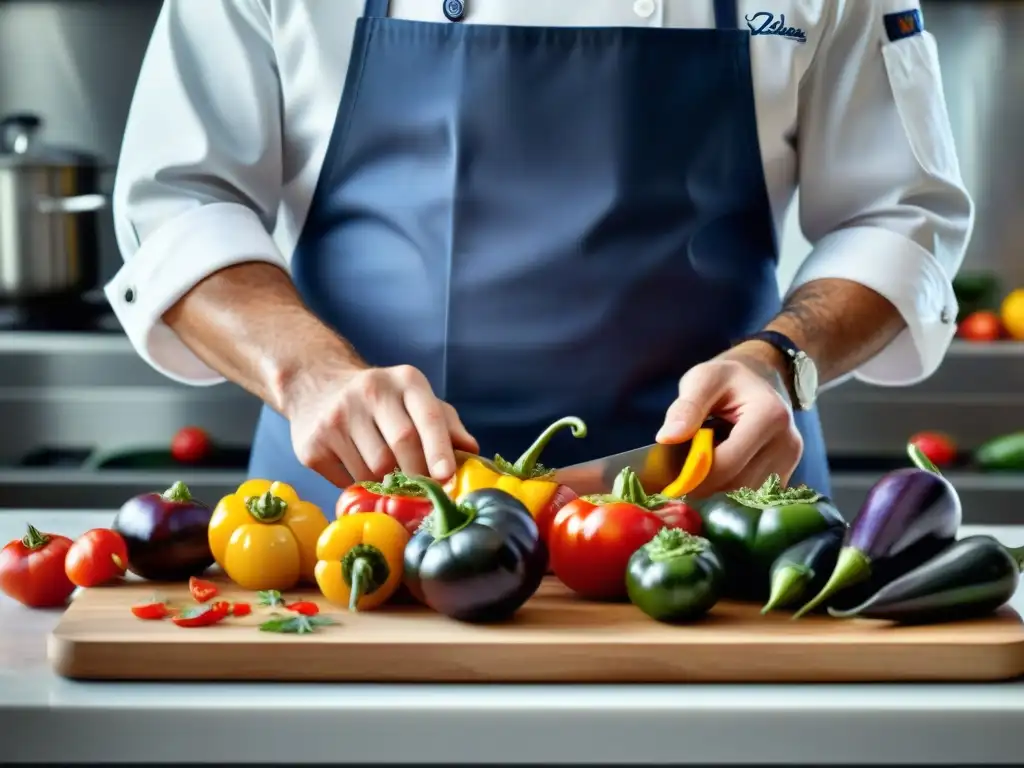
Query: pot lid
x=20, y=145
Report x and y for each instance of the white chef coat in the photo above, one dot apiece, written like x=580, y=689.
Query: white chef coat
x=236, y=102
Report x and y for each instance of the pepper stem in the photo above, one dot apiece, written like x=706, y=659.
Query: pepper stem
x=788, y=585
x=921, y=461
x=853, y=567
x=178, y=492
x=528, y=466
x=773, y=493
x=627, y=486
x=365, y=569
x=33, y=539
x=395, y=483
x=267, y=508
x=447, y=517
x=671, y=543
x=1017, y=553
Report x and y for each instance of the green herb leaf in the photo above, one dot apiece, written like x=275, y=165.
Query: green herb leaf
x=295, y=625
x=270, y=597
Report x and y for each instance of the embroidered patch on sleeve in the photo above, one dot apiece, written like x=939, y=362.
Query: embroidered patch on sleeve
x=903, y=24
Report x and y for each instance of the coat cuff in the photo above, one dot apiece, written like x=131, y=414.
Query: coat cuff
x=908, y=276
x=168, y=264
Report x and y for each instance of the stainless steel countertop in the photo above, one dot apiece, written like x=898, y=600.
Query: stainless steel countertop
x=796, y=724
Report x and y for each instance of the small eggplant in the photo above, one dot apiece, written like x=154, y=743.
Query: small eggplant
x=475, y=560
x=909, y=516
x=167, y=534
x=969, y=579
x=804, y=568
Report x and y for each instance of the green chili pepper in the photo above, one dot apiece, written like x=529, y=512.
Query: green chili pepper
x=675, y=577
x=751, y=528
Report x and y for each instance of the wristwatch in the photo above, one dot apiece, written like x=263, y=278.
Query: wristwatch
x=803, y=371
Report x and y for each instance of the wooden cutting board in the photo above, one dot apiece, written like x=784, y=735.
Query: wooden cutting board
x=554, y=638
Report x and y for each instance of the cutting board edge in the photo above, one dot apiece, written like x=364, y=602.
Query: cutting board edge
x=88, y=660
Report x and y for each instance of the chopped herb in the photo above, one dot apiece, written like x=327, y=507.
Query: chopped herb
x=270, y=597
x=295, y=625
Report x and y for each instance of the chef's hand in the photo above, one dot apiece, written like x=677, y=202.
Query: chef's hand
x=742, y=386
x=364, y=424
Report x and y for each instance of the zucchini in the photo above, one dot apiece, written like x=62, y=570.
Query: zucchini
x=1006, y=452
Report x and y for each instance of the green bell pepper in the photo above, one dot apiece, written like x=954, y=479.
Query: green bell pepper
x=675, y=577
x=751, y=528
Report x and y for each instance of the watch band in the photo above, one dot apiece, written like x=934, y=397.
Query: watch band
x=780, y=341
x=802, y=387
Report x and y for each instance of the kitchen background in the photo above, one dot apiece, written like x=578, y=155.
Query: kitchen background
x=85, y=424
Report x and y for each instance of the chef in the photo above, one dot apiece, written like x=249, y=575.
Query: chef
x=414, y=226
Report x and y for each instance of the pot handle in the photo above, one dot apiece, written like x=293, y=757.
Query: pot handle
x=77, y=204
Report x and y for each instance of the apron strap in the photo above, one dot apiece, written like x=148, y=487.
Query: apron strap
x=726, y=14
x=376, y=8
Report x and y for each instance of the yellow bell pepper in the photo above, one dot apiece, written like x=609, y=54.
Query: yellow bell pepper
x=526, y=479
x=696, y=467
x=264, y=536
x=361, y=560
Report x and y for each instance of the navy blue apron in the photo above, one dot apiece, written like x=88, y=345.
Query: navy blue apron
x=545, y=222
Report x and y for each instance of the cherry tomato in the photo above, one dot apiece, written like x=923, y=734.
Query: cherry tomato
x=590, y=545
x=981, y=326
x=201, y=589
x=190, y=445
x=97, y=557
x=939, y=448
x=32, y=570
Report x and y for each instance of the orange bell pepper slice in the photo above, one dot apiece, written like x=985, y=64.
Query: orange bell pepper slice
x=697, y=465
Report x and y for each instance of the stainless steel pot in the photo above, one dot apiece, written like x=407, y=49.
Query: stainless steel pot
x=49, y=199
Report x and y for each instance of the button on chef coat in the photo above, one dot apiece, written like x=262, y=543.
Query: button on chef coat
x=236, y=102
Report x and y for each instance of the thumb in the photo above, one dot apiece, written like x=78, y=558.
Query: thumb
x=700, y=389
x=461, y=439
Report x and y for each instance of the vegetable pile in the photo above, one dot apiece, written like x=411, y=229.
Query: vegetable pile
x=478, y=548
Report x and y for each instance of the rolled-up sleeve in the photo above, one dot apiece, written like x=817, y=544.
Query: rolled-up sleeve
x=881, y=196
x=199, y=180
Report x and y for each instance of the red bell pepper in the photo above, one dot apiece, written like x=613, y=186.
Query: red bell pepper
x=593, y=537
x=397, y=496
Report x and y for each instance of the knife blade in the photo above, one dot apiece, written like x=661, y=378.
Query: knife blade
x=656, y=465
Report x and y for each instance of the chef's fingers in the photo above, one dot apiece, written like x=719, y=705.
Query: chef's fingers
x=341, y=465
x=427, y=412
x=374, y=450
x=763, y=434
x=461, y=439
x=700, y=391
x=400, y=432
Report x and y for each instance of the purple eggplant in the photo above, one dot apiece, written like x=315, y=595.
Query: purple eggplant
x=909, y=516
x=167, y=534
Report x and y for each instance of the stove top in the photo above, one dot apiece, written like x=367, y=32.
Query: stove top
x=85, y=314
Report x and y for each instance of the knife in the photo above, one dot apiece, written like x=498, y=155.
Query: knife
x=656, y=465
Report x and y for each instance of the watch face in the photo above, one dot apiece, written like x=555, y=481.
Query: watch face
x=805, y=381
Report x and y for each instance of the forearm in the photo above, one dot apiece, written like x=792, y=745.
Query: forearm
x=245, y=322
x=840, y=324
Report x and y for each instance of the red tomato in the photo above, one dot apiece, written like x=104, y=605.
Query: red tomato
x=97, y=557
x=190, y=445
x=939, y=448
x=201, y=589
x=590, y=545
x=679, y=514
x=32, y=570
x=981, y=326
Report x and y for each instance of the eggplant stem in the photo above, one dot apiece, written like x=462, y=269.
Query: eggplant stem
x=921, y=461
x=788, y=584
x=853, y=567
x=1017, y=553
